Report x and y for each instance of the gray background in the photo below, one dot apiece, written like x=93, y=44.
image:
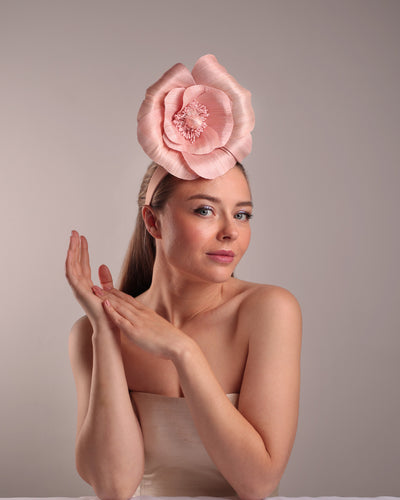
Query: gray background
x=325, y=175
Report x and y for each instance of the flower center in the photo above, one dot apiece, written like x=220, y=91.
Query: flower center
x=191, y=120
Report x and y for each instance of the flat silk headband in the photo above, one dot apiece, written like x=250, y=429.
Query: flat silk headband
x=195, y=124
x=155, y=180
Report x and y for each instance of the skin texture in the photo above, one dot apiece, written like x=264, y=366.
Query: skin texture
x=196, y=332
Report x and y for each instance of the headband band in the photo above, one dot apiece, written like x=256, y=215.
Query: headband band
x=158, y=175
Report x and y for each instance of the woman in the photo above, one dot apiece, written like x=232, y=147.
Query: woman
x=187, y=377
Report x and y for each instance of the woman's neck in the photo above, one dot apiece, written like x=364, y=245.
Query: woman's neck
x=178, y=298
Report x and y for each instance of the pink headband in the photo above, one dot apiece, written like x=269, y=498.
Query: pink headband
x=195, y=124
x=156, y=178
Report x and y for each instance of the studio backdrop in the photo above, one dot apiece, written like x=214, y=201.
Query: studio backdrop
x=325, y=177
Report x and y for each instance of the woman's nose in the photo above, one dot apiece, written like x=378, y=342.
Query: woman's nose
x=228, y=230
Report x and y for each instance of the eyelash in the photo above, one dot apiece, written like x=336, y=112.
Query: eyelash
x=248, y=215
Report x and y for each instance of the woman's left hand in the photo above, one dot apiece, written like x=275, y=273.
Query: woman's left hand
x=140, y=324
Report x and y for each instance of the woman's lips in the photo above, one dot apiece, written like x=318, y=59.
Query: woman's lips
x=222, y=256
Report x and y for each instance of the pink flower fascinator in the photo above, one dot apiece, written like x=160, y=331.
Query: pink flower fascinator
x=195, y=124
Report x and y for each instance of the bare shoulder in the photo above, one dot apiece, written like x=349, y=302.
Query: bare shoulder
x=257, y=293
x=81, y=324
x=80, y=342
x=81, y=331
x=264, y=304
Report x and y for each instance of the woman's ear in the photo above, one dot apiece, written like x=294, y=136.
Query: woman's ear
x=151, y=222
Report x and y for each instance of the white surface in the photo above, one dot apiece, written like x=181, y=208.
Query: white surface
x=205, y=498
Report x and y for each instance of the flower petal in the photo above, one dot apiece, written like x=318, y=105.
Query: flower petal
x=174, y=162
x=207, y=71
x=177, y=76
x=191, y=93
x=211, y=165
x=240, y=147
x=220, y=113
x=173, y=103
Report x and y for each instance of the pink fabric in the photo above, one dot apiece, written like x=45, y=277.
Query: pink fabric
x=196, y=124
x=155, y=180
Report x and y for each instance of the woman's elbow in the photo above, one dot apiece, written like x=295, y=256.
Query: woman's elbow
x=258, y=491
x=112, y=486
x=116, y=492
x=115, y=489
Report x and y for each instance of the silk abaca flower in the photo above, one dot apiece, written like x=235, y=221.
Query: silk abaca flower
x=196, y=124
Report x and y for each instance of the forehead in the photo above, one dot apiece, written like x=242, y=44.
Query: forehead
x=231, y=186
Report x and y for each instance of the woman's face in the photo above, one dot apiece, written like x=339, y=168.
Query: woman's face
x=204, y=226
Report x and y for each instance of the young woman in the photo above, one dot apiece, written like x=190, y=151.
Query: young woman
x=187, y=378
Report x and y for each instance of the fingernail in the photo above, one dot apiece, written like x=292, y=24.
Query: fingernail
x=97, y=290
x=107, y=303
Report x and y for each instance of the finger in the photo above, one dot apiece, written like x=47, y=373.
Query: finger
x=85, y=264
x=117, y=319
x=76, y=251
x=68, y=260
x=122, y=308
x=117, y=297
x=126, y=298
x=105, y=277
x=71, y=256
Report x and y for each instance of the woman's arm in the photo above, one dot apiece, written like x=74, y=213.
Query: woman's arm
x=250, y=445
x=109, y=443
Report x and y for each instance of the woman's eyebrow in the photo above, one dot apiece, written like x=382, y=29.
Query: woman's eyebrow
x=217, y=200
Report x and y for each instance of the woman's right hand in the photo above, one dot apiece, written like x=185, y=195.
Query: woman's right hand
x=78, y=274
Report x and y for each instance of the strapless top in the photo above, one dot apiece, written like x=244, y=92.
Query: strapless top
x=176, y=461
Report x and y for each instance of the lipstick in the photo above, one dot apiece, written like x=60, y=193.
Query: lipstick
x=221, y=256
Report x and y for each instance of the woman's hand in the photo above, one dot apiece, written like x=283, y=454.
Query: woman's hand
x=78, y=274
x=143, y=326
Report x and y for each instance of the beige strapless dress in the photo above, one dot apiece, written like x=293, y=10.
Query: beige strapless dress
x=176, y=462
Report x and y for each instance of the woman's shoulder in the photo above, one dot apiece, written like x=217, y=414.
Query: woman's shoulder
x=261, y=300
x=80, y=337
x=81, y=326
x=260, y=291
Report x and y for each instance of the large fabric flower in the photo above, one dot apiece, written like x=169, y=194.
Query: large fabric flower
x=196, y=124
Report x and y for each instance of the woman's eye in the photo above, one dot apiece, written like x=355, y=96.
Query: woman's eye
x=243, y=216
x=204, y=211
